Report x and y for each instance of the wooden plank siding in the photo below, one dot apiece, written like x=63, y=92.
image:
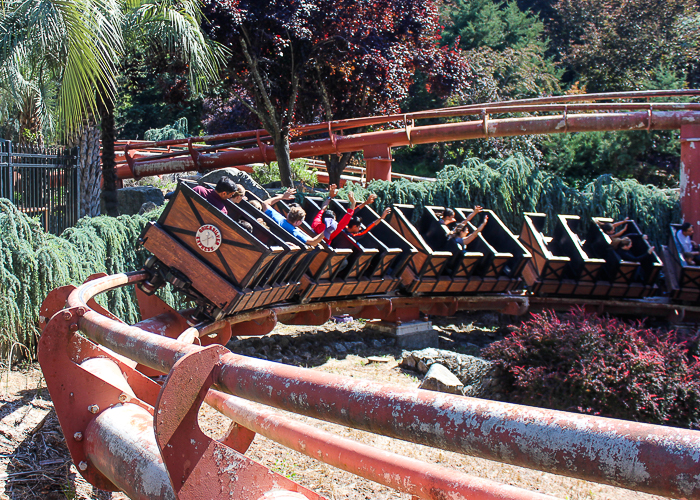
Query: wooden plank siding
x=564, y=265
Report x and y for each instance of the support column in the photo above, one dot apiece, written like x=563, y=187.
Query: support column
x=378, y=162
x=690, y=173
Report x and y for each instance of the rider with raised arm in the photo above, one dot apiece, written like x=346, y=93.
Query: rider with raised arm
x=294, y=218
x=325, y=222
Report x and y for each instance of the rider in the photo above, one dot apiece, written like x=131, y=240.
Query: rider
x=225, y=189
x=294, y=218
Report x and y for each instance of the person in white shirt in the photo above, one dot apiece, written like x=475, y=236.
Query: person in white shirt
x=689, y=249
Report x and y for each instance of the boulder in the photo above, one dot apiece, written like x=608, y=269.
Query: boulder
x=478, y=376
x=237, y=176
x=441, y=379
x=131, y=199
x=149, y=206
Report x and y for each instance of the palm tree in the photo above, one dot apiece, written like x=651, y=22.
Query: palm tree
x=79, y=43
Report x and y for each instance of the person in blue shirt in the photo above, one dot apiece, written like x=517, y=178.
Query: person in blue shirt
x=294, y=218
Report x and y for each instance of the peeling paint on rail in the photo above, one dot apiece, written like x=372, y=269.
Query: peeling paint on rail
x=649, y=458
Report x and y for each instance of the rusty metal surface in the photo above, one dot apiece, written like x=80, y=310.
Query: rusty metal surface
x=200, y=467
x=651, y=117
x=407, y=475
x=637, y=456
x=690, y=173
x=338, y=125
x=120, y=443
x=654, y=459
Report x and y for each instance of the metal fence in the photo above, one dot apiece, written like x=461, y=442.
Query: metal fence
x=42, y=183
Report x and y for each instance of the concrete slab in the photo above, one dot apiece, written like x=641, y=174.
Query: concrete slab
x=408, y=335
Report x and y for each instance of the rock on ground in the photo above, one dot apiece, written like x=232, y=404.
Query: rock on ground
x=237, y=176
x=131, y=199
x=479, y=376
x=441, y=379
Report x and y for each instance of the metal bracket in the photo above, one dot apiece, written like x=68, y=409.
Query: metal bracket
x=485, y=118
x=334, y=138
x=130, y=160
x=311, y=317
x=261, y=146
x=198, y=466
x=193, y=153
x=408, y=128
x=255, y=327
x=79, y=395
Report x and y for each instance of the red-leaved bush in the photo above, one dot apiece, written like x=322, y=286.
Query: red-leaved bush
x=602, y=366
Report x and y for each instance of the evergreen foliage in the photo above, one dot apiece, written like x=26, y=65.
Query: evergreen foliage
x=177, y=130
x=34, y=262
x=513, y=186
x=270, y=172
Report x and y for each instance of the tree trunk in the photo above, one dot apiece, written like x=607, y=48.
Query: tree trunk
x=109, y=175
x=87, y=140
x=281, y=145
x=336, y=165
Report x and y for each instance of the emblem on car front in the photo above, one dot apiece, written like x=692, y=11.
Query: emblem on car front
x=208, y=238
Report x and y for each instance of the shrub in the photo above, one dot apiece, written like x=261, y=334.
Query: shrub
x=267, y=173
x=515, y=185
x=601, y=366
x=34, y=262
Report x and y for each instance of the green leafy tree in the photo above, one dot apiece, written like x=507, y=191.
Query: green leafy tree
x=650, y=157
x=154, y=91
x=477, y=24
x=81, y=42
x=506, y=49
x=44, y=42
x=314, y=60
x=615, y=45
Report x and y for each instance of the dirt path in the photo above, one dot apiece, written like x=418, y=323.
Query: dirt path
x=35, y=464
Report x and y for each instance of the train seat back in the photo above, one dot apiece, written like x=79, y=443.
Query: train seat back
x=685, y=280
x=507, y=256
x=426, y=263
x=582, y=266
x=548, y=261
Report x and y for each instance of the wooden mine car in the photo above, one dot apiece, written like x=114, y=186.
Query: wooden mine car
x=563, y=264
x=226, y=269
x=492, y=263
x=682, y=278
x=208, y=255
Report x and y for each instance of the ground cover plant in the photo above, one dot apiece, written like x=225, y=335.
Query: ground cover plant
x=34, y=262
x=602, y=366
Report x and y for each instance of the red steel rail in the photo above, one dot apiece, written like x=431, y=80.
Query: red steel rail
x=646, y=117
x=649, y=458
x=576, y=113
x=353, y=123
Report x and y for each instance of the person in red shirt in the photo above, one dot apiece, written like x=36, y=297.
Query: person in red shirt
x=225, y=189
x=325, y=222
x=355, y=225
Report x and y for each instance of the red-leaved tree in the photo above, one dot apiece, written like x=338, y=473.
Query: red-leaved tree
x=314, y=60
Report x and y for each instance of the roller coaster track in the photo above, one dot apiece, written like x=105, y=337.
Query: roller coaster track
x=126, y=432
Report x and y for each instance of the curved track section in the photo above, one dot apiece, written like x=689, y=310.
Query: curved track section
x=126, y=432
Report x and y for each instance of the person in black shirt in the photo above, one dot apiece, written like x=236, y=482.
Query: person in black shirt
x=626, y=254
